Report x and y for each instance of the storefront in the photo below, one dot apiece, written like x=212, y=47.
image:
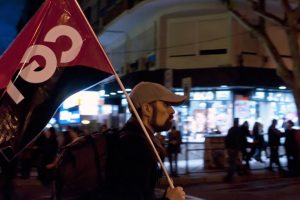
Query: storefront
x=82, y=109
x=211, y=110
x=217, y=96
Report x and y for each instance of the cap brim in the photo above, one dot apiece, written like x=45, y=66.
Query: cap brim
x=174, y=99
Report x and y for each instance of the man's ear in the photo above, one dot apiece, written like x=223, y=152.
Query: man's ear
x=146, y=110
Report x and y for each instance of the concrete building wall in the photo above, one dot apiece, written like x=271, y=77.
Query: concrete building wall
x=202, y=37
x=199, y=41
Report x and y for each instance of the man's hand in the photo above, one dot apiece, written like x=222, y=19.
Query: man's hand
x=175, y=194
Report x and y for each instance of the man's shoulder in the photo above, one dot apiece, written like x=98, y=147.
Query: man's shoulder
x=131, y=136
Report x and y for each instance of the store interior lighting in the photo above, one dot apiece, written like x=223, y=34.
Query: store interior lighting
x=282, y=87
x=101, y=93
x=85, y=122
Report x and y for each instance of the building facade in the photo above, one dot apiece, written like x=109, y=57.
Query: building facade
x=197, y=48
x=193, y=47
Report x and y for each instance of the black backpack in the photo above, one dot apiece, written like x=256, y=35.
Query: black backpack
x=83, y=166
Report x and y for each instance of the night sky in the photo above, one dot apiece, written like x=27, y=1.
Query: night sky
x=10, y=13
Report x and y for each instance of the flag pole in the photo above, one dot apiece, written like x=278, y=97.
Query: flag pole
x=170, y=181
x=145, y=131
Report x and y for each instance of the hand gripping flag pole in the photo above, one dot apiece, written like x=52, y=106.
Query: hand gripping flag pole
x=170, y=181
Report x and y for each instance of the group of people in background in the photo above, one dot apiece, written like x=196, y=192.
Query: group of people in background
x=243, y=144
x=43, y=152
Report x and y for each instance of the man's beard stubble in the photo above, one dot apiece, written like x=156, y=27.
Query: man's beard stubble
x=159, y=128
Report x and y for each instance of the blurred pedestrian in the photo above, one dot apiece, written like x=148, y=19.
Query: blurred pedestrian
x=291, y=148
x=103, y=128
x=259, y=143
x=233, y=144
x=26, y=160
x=174, y=142
x=72, y=134
x=245, y=132
x=274, y=135
x=47, y=147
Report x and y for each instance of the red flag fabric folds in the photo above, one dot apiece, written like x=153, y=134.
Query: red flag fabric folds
x=54, y=56
x=60, y=26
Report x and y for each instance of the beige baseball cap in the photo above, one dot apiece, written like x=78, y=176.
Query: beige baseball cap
x=146, y=92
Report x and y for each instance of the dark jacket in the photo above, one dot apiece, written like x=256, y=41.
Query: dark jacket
x=274, y=136
x=290, y=143
x=234, y=139
x=136, y=171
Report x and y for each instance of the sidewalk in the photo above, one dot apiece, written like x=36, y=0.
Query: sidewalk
x=199, y=175
x=32, y=189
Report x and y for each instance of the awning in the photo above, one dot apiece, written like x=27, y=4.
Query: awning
x=204, y=77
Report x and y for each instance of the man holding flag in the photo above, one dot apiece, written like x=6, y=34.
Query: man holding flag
x=136, y=170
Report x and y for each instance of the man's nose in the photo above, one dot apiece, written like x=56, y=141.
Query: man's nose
x=172, y=111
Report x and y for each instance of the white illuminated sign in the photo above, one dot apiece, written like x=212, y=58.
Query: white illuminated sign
x=66, y=116
x=71, y=101
x=88, y=109
x=203, y=95
x=223, y=95
x=259, y=95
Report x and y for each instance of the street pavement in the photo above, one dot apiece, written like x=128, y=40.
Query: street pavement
x=32, y=189
x=268, y=189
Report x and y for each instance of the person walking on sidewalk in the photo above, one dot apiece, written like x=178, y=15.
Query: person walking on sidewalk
x=136, y=169
x=259, y=143
x=233, y=144
x=174, y=142
x=291, y=148
x=274, y=142
x=245, y=132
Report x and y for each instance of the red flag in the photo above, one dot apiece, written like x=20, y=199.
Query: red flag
x=58, y=27
x=54, y=56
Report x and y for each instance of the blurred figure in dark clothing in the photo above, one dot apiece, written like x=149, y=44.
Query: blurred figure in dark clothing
x=258, y=141
x=233, y=144
x=103, y=128
x=174, y=142
x=291, y=148
x=274, y=141
x=71, y=134
x=7, y=179
x=26, y=159
x=245, y=132
x=47, y=146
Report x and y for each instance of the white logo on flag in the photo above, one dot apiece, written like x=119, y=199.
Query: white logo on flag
x=30, y=75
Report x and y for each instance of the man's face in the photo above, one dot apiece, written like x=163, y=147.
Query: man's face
x=162, y=115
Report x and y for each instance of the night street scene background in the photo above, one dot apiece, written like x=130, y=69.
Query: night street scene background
x=199, y=48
